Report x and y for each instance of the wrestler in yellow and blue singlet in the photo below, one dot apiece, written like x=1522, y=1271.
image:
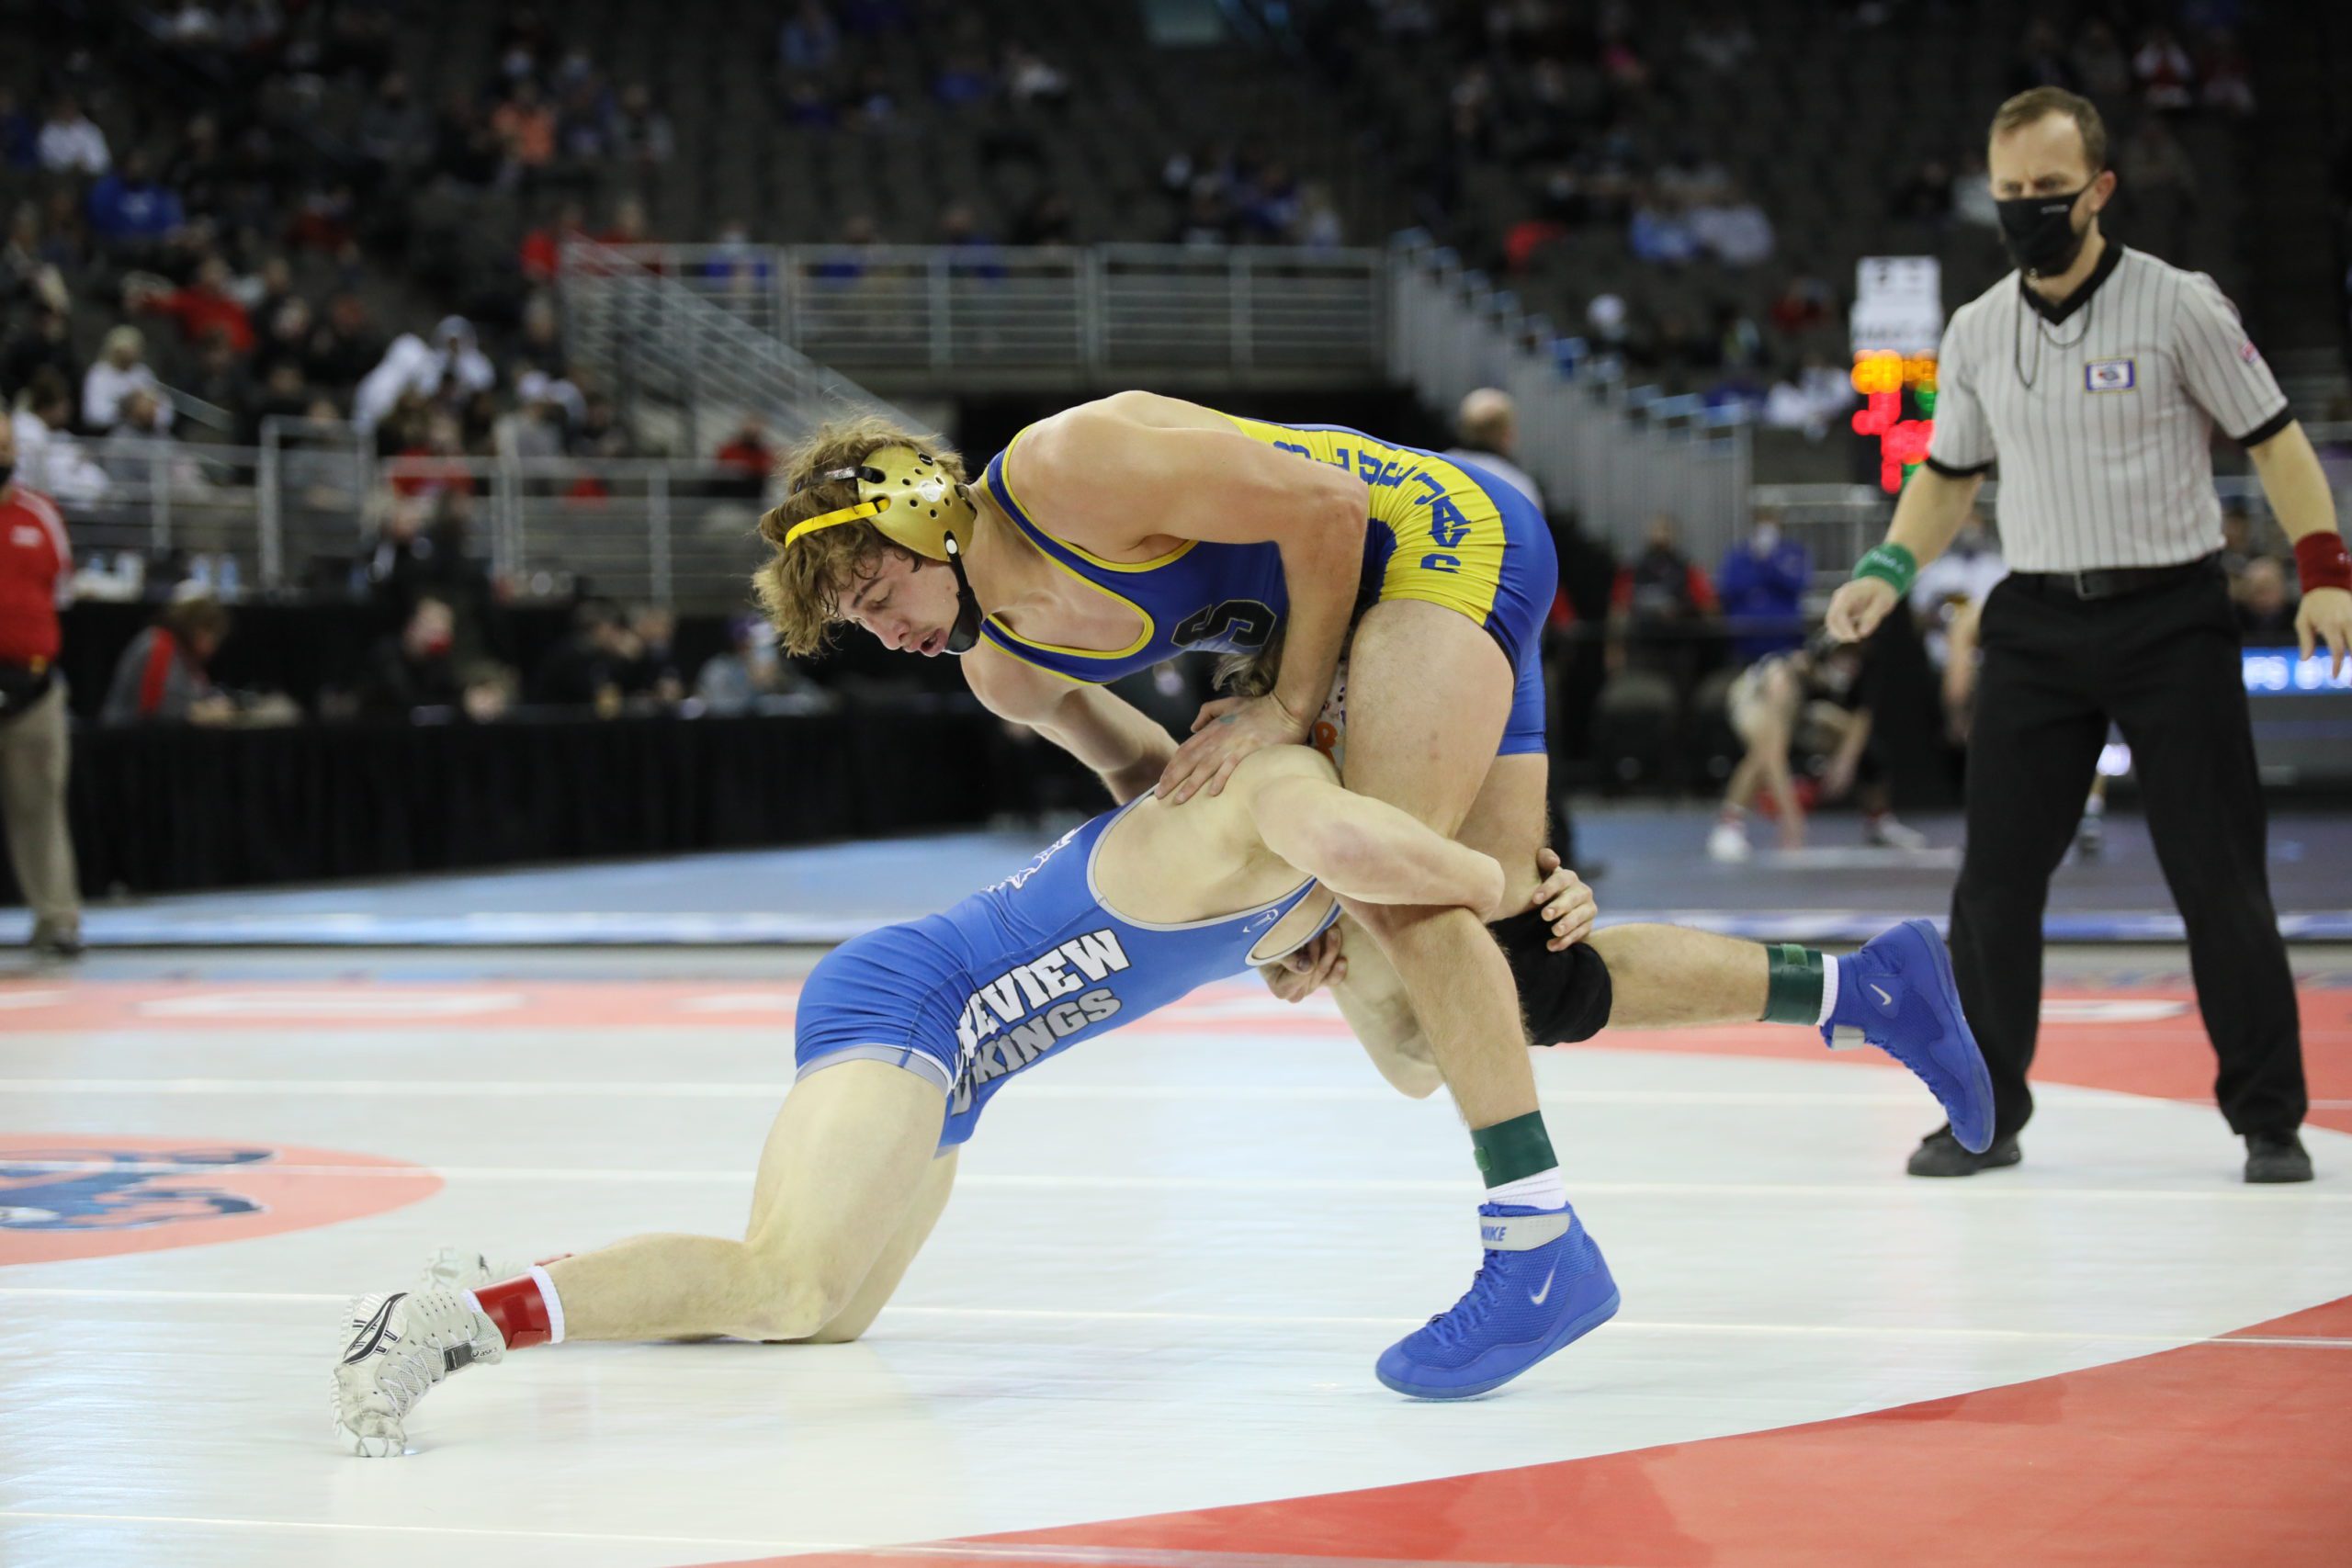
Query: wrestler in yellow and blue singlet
x=1439, y=531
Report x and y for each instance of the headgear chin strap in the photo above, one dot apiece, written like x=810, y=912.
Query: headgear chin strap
x=916, y=505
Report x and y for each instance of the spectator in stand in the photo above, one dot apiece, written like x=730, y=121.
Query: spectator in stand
x=2101, y=68
x=69, y=142
x=435, y=464
x=1485, y=429
x=1927, y=195
x=1810, y=398
x=198, y=170
x=749, y=672
x=1660, y=232
x=809, y=42
x=129, y=208
x=541, y=257
x=451, y=366
x=395, y=133
x=1030, y=80
x=1761, y=586
x=584, y=670
x=1733, y=229
x=48, y=460
x=161, y=677
x=2228, y=75
x=1804, y=302
x=640, y=132
x=222, y=380
x=1659, y=601
x=120, y=369
x=418, y=668
x=138, y=453
x=1046, y=221
x=599, y=432
x=750, y=453
x=525, y=126
x=2167, y=78
x=533, y=430
x=43, y=340
x=36, y=574
x=19, y=136
x=206, y=306
x=397, y=565
x=342, y=349
x=1720, y=40
x=2042, y=61
x=651, y=676
x=2265, y=606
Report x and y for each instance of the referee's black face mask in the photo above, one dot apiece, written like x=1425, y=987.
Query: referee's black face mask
x=2040, y=232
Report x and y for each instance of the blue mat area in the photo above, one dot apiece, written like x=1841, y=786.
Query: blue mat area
x=1651, y=868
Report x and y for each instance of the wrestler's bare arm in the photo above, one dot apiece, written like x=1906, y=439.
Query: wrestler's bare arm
x=1358, y=847
x=1102, y=731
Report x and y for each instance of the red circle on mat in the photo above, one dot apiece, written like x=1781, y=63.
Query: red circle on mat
x=94, y=1195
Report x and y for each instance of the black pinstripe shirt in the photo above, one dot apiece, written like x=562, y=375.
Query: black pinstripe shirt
x=2100, y=411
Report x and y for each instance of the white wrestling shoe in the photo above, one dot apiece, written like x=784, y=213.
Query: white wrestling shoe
x=404, y=1343
x=460, y=1269
x=1885, y=834
x=1727, y=842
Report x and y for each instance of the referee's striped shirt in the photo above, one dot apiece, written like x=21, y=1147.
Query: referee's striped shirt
x=2100, y=411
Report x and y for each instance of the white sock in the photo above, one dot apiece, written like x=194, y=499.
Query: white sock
x=1544, y=1190
x=1829, y=967
x=555, y=1304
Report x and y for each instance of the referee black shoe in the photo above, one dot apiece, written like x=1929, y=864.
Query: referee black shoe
x=2277, y=1156
x=1939, y=1154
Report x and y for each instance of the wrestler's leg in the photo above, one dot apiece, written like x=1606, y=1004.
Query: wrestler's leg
x=1428, y=694
x=844, y=1163
x=882, y=1280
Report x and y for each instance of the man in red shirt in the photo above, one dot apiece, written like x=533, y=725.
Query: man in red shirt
x=34, y=560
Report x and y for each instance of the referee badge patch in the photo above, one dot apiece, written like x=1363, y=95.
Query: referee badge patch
x=2110, y=375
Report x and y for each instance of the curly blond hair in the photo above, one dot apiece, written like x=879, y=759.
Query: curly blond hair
x=800, y=588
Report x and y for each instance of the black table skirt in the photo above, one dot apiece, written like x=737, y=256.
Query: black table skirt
x=163, y=809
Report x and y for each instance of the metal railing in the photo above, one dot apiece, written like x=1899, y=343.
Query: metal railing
x=305, y=511
x=910, y=317
x=660, y=326
x=1615, y=454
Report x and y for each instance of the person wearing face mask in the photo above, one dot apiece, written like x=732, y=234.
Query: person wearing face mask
x=1761, y=585
x=2094, y=375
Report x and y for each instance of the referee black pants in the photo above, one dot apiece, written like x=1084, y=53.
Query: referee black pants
x=2163, y=665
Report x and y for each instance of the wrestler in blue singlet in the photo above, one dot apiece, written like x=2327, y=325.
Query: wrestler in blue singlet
x=1014, y=974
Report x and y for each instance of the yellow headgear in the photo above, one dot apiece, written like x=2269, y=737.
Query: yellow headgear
x=912, y=500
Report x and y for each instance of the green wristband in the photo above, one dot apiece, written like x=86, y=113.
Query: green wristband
x=1891, y=564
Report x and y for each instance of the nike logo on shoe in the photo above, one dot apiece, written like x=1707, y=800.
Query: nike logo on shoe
x=1885, y=1000
x=1536, y=1298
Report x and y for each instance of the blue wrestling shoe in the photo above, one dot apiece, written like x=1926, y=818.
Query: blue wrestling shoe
x=1543, y=1285
x=1897, y=994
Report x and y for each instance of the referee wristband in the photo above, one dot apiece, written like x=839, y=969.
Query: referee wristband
x=2322, y=561
x=1891, y=564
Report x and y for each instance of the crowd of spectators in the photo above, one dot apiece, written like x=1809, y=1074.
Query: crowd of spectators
x=1581, y=108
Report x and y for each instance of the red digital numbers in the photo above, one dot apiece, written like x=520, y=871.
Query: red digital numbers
x=1883, y=376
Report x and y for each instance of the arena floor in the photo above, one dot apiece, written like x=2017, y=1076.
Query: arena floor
x=1144, y=1333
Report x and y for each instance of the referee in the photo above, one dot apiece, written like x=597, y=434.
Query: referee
x=2094, y=375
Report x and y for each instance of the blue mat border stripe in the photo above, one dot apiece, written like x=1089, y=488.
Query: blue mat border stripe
x=138, y=929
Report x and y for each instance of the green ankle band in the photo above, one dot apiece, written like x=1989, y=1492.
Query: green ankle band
x=1791, y=984
x=1509, y=1150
